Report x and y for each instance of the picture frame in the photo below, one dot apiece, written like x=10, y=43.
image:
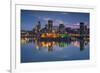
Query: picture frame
x=17, y=66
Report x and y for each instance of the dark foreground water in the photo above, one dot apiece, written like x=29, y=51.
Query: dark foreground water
x=42, y=51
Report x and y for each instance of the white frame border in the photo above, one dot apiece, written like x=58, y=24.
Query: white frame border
x=56, y=65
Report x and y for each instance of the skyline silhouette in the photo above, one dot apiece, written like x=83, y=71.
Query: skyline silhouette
x=29, y=18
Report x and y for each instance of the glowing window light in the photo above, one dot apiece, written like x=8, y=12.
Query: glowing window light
x=63, y=35
x=43, y=35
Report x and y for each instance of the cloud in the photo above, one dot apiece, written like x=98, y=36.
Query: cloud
x=39, y=17
x=57, y=22
x=75, y=25
x=64, y=13
x=46, y=18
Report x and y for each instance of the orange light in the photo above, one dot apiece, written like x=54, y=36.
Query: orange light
x=49, y=35
x=43, y=35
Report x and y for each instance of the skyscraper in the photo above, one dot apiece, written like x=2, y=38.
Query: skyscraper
x=81, y=29
x=50, y=25
x=61, y=28
x=38, y=26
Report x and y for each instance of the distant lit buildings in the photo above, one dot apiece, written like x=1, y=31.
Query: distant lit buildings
x=60, y=31
x=38, y=27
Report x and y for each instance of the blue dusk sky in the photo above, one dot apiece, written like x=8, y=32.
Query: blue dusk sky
x=30, y=18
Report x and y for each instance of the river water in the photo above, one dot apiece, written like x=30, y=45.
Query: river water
x=43, y=51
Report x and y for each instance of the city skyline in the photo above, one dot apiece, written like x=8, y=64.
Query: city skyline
x=30, y=18
x=47, y=36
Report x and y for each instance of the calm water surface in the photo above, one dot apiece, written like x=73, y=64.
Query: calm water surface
x=39, y=51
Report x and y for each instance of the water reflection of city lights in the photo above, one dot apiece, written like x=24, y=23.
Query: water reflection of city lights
x=76, y=43
x=47, y=44
x=24, y=40
x=51, y=45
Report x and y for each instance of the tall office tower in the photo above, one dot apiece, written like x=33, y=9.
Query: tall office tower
x=82, y=29
x=61, y=28
x=38, y=27
x=50, y=25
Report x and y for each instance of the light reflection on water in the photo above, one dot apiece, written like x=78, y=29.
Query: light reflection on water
x=33, y=50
